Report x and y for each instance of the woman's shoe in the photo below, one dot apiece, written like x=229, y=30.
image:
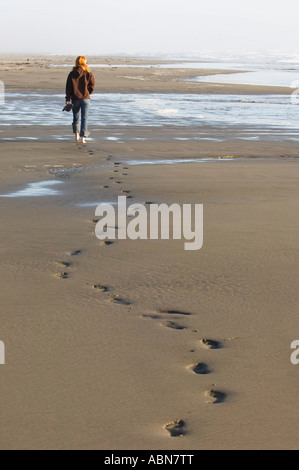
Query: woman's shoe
x=77, y=136
x=83, y=140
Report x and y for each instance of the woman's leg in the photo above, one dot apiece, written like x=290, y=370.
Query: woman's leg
x=84, y=117
x=76, y=117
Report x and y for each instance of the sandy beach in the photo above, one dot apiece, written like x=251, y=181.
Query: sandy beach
x=123, y=345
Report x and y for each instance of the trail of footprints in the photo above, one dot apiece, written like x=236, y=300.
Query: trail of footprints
x=168, y=318
x=212, y=396
x=111, y=297
x=63, y=274
x=177, y=428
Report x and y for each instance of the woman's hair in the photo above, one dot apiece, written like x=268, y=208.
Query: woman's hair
x=81, y=62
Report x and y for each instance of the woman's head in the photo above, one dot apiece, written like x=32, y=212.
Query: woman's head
x=82, y=62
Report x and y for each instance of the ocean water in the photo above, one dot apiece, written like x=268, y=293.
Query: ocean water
x=114, y=109
x=261, y=116
x=283, y=78
x=288, y=60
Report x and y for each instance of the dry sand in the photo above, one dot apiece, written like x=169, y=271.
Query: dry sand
x=109, y=354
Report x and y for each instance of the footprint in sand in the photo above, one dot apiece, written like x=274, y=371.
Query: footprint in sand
x=90, y=152
x=63, y=263
x=199, y=368
x=115, y=298
x=106, y=242
x=215, y=396
x=172, y=312
x=61, y=275
x=176, y=428
x=74, y=253
x=100, y=287
x=125, y=191
x=117, y=182
x=210, y=343
x=172, y=324
x=153, y=317
x=125, y=194
x=124, y=174
x=104, y=186
x=160, y=315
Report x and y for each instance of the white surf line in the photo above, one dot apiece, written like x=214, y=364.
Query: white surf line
x=41, y=188
x=183, y=160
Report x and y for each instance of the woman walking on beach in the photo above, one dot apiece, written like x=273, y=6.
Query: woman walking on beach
x=79, y=86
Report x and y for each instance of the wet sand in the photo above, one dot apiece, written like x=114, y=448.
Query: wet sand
x=141, y=344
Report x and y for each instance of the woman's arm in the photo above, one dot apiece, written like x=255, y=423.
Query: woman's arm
x=68, y=89
x=91, y=83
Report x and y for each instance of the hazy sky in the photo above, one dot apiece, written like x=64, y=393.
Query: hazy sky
x=147, y=26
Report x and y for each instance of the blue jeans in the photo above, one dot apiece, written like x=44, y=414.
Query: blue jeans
x=83, y=105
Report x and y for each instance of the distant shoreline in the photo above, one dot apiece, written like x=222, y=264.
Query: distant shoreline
x=38, y=75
